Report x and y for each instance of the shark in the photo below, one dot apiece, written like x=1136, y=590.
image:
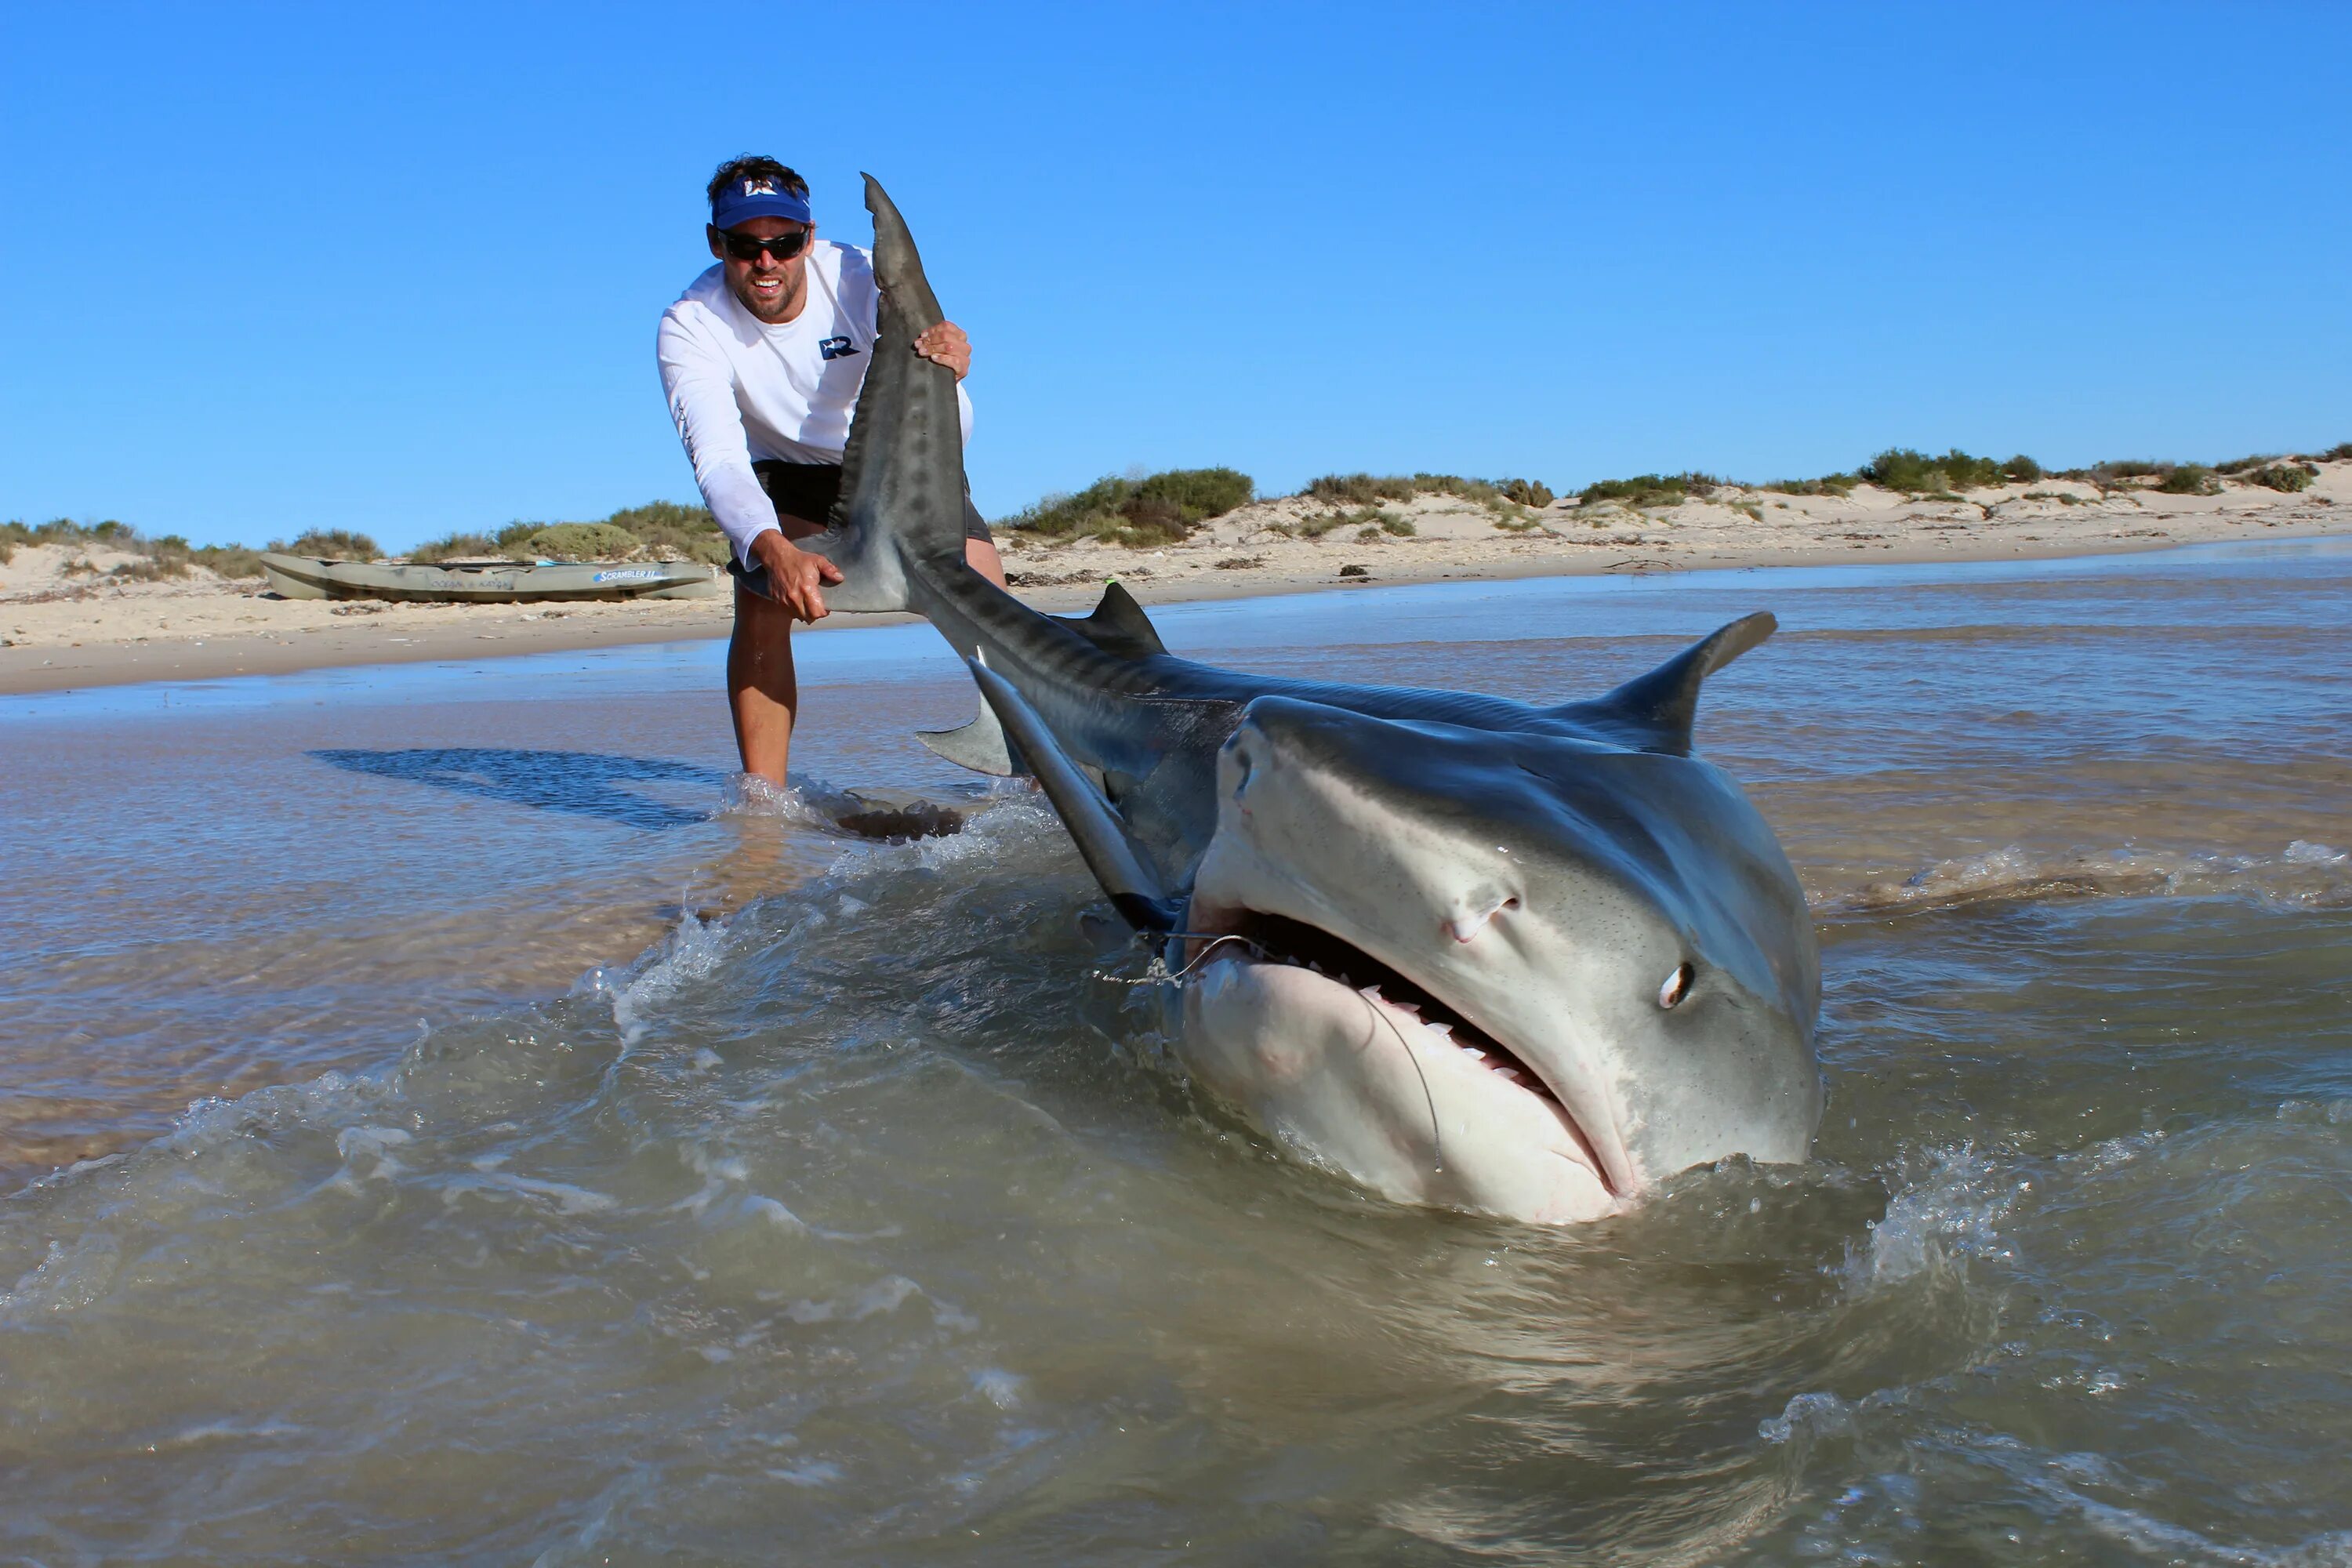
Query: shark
x=1530, y=961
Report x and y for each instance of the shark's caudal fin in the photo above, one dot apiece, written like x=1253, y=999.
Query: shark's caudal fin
x=1658, y=708
x=902, y=486
x=1119, y=863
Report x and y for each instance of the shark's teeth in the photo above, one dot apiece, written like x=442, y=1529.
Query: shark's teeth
x=1369, y=992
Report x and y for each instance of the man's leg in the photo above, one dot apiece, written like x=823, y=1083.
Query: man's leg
x=762, y=689
x=984, y=559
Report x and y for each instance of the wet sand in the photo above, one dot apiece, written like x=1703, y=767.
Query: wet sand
x=65, y=624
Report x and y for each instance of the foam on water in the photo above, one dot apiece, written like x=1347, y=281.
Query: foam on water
x=2305, y=875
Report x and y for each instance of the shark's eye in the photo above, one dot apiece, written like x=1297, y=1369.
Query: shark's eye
x=1676, y=987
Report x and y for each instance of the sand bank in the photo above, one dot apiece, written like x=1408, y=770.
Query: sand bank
x=65, y=622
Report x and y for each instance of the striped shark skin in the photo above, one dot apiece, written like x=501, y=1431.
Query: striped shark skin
x=1528, y=961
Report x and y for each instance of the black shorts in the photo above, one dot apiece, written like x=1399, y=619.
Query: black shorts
x=807, y=490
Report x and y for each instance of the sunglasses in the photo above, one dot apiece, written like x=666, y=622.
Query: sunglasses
x=784, y=248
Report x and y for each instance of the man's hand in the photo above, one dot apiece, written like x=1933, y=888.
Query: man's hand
x=795, y=574
x=946, y=345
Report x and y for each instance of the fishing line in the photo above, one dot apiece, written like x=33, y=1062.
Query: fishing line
x=1160, y=974
x=1436, y=1133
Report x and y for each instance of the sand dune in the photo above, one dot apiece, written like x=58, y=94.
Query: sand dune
x=65, y=622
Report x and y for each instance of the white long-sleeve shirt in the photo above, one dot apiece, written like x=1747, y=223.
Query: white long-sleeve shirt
x=741, y=389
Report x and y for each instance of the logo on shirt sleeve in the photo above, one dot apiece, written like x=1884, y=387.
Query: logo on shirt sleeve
x=836, y=348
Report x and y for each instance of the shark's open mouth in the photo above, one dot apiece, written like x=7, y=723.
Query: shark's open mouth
x=1278, y=939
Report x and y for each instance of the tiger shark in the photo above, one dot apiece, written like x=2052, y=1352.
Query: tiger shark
x=1471, y=952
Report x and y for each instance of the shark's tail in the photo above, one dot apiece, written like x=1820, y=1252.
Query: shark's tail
x=902, y=486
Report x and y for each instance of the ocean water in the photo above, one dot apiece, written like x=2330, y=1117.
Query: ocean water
x=442, y=1117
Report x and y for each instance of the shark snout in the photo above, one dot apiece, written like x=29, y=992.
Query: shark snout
x=1322, y=789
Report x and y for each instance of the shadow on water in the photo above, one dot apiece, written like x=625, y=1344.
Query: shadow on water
x=581, y=784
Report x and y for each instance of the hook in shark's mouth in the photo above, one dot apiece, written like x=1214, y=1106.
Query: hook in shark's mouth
x=1275, y=939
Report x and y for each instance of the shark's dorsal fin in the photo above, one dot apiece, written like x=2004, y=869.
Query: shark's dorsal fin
x=1662, y=704
x=1119, y=625
x=1119, y=863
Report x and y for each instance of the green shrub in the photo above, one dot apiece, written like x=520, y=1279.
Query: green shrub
x=1827, y=485
x=514, y=534
x=582, y=542
x=2190, y=480
x=1651, y=489
x=2285, y=478
x=169, y=556
x=150, y=571
x=66, y=530
x=670, y=530
x=2107, y=474
x=1200, y=493
x=1359, y=490
x=1161, y=509
x=334, y=545
x=1367, y=489
x=2338, y=453
x=454, y=547
x=1916, y=473
x=230, y=561
x=677, y=544
x=1316, y=525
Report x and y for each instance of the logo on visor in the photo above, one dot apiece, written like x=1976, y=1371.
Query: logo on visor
x=759, y=187
x=836, y=348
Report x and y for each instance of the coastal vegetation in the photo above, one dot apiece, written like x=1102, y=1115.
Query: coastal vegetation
x=333, y=543
x=1154, y=509
x=164, y=556
x=1651, y=489
x=658, y=530
x=1909, y=472
x=1148, y=510
x=1365, y=490
x=1901, y=469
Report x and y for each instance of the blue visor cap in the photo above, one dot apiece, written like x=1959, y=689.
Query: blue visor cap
x=757, y=197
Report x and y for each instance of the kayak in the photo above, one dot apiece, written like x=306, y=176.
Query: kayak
x=491, y=582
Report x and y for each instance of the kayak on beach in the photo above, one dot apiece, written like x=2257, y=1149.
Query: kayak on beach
x=500, y=581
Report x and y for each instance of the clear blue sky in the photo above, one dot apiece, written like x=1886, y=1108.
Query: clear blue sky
x=398, y=268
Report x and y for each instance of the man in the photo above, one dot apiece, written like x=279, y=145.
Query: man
x=762, y=358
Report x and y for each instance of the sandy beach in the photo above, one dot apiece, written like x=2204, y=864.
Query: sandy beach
x=66, y=623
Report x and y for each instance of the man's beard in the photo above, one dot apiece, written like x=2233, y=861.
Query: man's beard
x=786, y=298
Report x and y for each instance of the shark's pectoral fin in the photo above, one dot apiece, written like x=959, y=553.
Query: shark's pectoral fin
x=979, y=745
x=1662, y=705
x=1119, y=625
x=1119, y=863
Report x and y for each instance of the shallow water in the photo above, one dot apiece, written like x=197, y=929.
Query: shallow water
x=582, y=1171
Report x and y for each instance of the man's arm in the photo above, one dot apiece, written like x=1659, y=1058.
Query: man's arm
x=701, y=390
